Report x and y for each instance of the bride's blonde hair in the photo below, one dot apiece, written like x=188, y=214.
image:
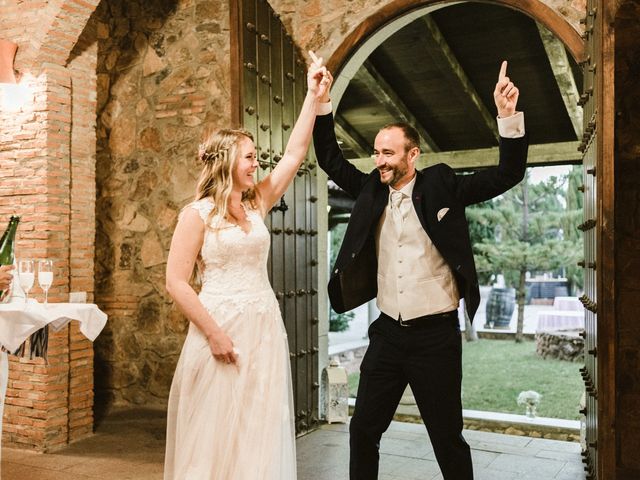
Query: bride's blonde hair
x=219, y=153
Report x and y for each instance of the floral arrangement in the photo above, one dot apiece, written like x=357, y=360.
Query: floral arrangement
x=530, y=400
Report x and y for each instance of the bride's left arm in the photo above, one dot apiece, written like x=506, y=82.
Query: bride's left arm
x=273, y=186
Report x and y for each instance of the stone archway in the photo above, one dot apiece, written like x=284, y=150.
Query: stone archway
x=616, y=31
x=365, y=37
x=46, y=34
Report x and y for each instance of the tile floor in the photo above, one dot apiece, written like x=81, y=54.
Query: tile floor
x=129, y=445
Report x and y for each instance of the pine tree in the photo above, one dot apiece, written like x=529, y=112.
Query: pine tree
x=534, y=231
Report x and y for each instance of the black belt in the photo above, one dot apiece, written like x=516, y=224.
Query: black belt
x=425, y=320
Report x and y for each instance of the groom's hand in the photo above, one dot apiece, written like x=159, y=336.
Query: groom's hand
x=505, y=94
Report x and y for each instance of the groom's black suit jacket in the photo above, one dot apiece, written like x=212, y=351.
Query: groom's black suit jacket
x=354, y=275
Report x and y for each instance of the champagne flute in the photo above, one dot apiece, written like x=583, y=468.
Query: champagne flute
x=26, y=276
x=45, y=277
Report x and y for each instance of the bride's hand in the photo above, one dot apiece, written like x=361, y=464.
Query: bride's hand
x=318, y=78
x=221, y=347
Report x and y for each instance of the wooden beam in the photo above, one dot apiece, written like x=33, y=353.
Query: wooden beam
x=539, y=155
x=351, y=138
x=444, y=58
x=559, y=61
x=385, y=94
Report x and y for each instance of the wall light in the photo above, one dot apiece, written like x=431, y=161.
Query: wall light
x=12, y=95
x=7, y=55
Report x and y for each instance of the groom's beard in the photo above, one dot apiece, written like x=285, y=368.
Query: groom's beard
x=393, y=174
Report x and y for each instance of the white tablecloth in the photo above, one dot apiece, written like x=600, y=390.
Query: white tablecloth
x=19, y=320
x=560, y=320
x=568, y=303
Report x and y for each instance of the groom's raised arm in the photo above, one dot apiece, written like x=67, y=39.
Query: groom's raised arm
x=489, y=183
x=329, y=155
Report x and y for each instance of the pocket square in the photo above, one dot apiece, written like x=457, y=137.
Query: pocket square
x=442, y=212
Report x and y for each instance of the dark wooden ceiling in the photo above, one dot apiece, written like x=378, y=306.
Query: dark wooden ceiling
x=439, y=72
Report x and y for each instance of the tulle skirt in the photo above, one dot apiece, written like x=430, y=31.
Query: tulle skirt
x=233, y=422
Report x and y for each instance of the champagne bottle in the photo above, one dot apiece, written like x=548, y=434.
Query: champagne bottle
x=4, y=235
x=7, y=244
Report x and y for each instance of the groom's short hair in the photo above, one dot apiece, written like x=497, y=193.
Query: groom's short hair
x=410, y=134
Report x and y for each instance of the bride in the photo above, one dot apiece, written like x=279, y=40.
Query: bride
x=230, y=413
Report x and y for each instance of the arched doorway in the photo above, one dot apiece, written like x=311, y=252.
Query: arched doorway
x=354, y=51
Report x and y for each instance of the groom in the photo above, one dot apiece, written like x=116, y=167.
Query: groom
x=407, y=244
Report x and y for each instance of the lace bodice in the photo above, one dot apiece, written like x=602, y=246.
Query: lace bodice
x=235, y=262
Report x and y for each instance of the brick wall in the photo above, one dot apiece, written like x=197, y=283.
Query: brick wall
x=27, y=188
x=82, y=69
x=47, y=152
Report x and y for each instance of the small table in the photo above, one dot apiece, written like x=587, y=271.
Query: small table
x=18, y=320
x=560, y=320
x=568, y=303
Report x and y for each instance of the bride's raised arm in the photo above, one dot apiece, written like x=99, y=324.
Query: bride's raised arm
x=273, y=186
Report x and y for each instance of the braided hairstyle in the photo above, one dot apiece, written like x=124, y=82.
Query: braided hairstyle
x=219, y=153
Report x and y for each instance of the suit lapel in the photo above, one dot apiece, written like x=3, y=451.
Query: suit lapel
x=380, y=203
x=419, y=191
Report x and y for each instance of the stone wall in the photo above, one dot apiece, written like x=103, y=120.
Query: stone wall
x=323, y=25
x=565, y=345
x=627, y=232
x=163, y=73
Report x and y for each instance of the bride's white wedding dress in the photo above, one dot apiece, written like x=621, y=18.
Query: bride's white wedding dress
x=234, y=422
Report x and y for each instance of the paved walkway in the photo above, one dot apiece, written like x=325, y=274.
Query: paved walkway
x=129, y=445
x=406, y=454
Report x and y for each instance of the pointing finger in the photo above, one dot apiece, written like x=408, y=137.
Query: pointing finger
x=503, y=70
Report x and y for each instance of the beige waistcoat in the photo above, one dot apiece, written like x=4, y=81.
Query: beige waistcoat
x=413, y=278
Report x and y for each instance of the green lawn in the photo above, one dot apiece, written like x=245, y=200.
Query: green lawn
x=495, y=371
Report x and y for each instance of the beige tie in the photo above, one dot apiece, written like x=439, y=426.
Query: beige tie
x=396, y=212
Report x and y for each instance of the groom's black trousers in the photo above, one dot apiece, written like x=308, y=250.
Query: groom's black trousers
x=428, y=357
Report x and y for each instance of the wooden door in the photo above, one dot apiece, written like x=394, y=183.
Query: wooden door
x=269, y=88
x=590, y=227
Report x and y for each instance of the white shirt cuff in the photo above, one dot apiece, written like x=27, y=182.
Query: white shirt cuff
x=324, y=108
x=511, y=127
